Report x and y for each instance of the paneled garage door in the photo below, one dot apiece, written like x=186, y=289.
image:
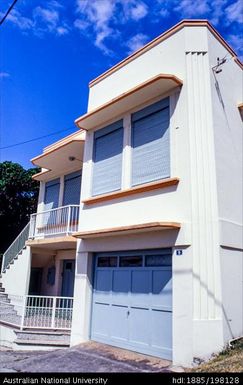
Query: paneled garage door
x=132, y=301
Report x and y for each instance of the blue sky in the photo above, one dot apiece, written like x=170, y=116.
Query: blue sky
x=50, y=50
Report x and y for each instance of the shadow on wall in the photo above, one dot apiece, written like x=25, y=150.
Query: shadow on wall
x=217, y=302
x=220, y=97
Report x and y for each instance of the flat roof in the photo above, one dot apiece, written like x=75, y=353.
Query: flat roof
x=165, y=35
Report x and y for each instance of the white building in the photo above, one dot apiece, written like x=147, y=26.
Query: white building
x=158, y=242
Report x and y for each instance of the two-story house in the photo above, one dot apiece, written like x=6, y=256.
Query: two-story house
x=157, y=230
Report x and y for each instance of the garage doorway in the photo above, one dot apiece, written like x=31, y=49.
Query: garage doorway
x=132, y=301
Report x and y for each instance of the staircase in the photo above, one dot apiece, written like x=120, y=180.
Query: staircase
x=20, y=323
x=29, y=339
x=15, y=249
x=41, y=339
x=8, y=315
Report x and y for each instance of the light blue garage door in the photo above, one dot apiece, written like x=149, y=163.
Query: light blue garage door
x=132, y=301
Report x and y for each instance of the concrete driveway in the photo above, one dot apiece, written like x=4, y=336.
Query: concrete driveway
x=90, y=357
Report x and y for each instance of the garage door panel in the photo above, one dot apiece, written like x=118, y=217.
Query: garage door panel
x=139, y=322
x=161, y=322
x=121, y=281
x=119, y=324
x=101, y=325
x=162, y=288
x=141, y=282
x=103, y=281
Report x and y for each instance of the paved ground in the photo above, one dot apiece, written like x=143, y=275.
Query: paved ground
x=88, y=357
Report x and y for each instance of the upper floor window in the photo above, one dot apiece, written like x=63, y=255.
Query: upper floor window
x=150, y=143
x=52, y=194
x=72, y=185
x=150, y=149
x=107, y=158
x=68, y=195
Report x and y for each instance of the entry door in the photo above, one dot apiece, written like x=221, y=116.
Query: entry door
x=68, y=277
x=132, y=301
x=35, y=281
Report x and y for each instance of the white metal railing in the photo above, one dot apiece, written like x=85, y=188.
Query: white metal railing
x=62, y=220
x=15, y=247
x=47, y=312
x=37, y=312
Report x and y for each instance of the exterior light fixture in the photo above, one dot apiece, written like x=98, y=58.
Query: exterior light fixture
x=72, y=158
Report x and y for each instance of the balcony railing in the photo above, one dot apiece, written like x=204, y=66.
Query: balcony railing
x=54, y=222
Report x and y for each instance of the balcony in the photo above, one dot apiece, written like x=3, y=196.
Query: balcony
x=62, y=221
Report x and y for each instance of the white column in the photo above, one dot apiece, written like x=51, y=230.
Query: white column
x=82, y=299
x=61, y=191
x=87, y=166
x=126, y=161
x=205, y=228
x=182, y=325
x=41, y=197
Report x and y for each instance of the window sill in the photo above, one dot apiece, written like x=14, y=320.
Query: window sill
x=163, y=183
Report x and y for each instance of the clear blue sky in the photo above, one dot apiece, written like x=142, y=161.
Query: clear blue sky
x=50, y=50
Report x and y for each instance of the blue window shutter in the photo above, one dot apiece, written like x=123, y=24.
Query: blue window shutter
x=72, y=185
x=150, y=143
x=107, y=159
x=52, y=194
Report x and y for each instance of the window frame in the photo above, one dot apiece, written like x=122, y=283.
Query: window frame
x=143, y=112
x=102, y=132
x=138, y=116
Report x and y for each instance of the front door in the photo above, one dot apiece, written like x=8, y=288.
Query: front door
x=35, y=281
x=68, y=277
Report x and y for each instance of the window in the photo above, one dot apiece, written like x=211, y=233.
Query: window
x=134, y=261
x=150, y=149
x=72, y=185
x=107, y=158
x=107, y=262
x=68, y=266
x=52, y=194
x=158, y=260
x=150, y=143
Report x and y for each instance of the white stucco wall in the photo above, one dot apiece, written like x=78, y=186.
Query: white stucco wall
x=227, y=93
x=232, y=278
x=7, y=337
x=161, y=205
x=167, y=57
x=16, y=279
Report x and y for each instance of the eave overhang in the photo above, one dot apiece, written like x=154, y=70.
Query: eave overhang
x=54, y=243
x=55, y=158
x=150, y=89
x=125, y=230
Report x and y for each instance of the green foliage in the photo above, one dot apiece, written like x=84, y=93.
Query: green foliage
x=18, y=199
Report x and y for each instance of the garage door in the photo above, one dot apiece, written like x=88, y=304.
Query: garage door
x=132, y=301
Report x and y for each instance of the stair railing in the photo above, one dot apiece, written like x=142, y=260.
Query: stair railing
x=14, y=249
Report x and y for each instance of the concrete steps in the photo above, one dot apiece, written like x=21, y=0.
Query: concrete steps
x=28, y=339
x=40, y=339
x=8, y=314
